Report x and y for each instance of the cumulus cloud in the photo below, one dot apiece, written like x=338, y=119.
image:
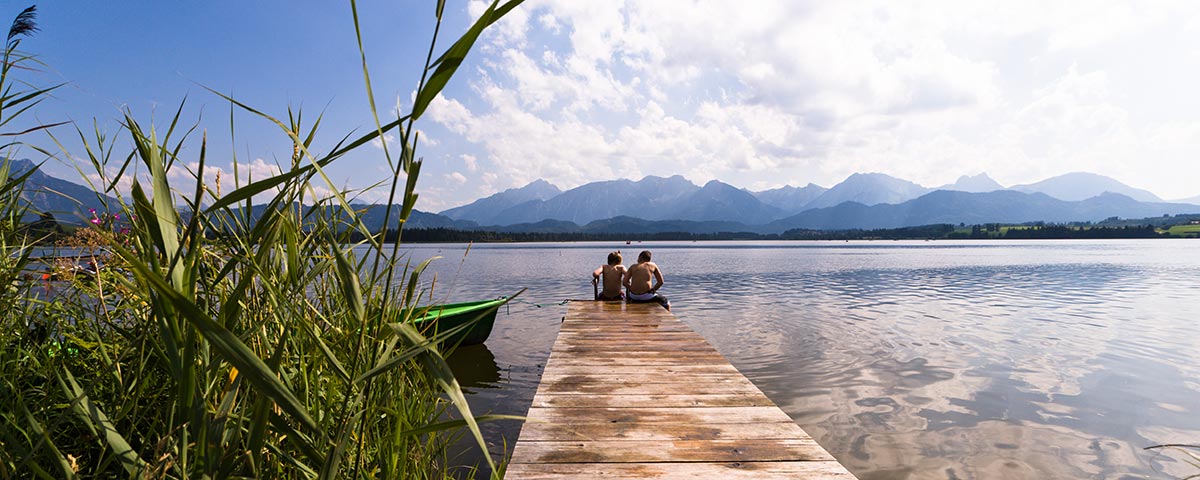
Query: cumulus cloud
x=802, y=92
x=470, y=161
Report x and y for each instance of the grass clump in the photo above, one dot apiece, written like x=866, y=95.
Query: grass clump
x=203, y=336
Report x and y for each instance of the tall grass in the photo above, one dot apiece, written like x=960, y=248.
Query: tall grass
x=214, y=338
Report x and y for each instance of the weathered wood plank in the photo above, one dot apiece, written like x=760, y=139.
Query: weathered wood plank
x=627, y=400
x=636, y=451
x=631, y=362
x=632, y=357
x=680, y=470
x=629, y=388
x=540, y=431
x=724, y=368
x=633, y=348
x=660, y=415
x=598, y=325
x=600, y=376
x=644, y=354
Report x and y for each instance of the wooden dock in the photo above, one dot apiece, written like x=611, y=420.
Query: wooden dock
x=632, y=392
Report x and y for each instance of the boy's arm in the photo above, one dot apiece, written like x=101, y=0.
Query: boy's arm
x=657, y=276
x=626, y=278
x=596, y=274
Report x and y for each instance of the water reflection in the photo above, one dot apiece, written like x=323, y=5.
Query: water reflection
x=474, y=367
x=911, y=360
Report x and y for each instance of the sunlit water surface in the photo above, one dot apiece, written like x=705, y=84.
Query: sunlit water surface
x=1050, y=359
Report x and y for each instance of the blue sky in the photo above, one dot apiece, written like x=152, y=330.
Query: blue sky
x=758, y=96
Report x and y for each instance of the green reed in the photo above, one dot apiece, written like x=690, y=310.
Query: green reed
x=217, y=338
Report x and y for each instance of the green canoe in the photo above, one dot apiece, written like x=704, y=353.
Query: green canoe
x=454, y=318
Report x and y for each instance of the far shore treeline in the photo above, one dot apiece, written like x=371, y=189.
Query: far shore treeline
x=925, y=232
x=46, y=230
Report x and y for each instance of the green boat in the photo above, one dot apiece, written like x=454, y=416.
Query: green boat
x=467, y=323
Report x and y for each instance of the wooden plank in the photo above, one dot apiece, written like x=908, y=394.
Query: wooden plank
x=660, y=415
x=636, y=451
x=660, y=340
x=602, y=377
x=680, y=470
x=633, y=388
x=627, y=400
x=643, y=354
x=635, y=348
x=634, y=335
x=540, y=431
x=636, y=358
x=646, y=326
x=632, y=362
x=724, y=368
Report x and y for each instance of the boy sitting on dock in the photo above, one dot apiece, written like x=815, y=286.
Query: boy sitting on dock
x=613, y=272
x=637, y=282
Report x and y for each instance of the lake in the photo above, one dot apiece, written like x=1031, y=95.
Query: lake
x=984, y=359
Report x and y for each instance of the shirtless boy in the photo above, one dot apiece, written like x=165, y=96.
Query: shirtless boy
x=613, y=272
x=638, y=285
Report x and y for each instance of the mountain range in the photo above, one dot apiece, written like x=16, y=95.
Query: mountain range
x=863, y=200
x=68, y=202
x=674, y=204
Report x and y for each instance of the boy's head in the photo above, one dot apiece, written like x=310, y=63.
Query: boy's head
x=644, y=256
x=614, y=258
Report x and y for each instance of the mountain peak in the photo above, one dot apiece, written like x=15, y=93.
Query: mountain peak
x=979, y=183
x=869, y=189
x=541, y=182
x=790, y=199
x=484, y=209
x=1083, y=185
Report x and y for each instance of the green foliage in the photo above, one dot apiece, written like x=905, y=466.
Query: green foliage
x=280, y=348
x=1190, y=231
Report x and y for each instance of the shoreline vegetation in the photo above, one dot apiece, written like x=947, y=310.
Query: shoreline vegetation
x=272, y=350
x=928, y=232
x=46, y=231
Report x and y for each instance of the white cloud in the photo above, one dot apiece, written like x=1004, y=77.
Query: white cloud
x=812, y=92
x=470, y=161
x=391, y=142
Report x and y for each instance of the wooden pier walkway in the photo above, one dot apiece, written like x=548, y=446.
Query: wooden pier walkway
x=630, y=391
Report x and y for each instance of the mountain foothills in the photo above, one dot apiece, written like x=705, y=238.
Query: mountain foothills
x=674, y=204
x=69, y=202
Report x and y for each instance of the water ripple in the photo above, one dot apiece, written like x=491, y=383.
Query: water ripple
x=911, y=359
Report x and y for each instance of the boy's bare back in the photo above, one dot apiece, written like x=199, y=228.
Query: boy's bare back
x=612, y=275
x=640, y=276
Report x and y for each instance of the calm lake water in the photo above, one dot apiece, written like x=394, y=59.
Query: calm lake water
x=992, y=359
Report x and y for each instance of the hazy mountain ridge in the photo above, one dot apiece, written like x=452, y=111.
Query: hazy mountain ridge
x=69, y=202
x=980, y=183
x=651, y=198
x=484, y=209
x=1002, y=206
x=869, y=189
x=676, y=198
x=789, y=198
x=674, y=204
x=1190, y=200
x=598, y=200
x=1083, y=185
x=717, y=201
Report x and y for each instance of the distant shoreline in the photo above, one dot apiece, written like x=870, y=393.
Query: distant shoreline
x=927, y=232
